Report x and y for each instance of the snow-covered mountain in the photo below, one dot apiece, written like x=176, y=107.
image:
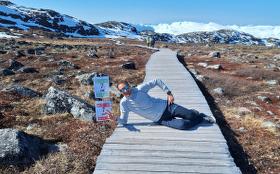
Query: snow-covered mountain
x=23, y=18
x=118, y=29
x=18, y=17
x=220, y=36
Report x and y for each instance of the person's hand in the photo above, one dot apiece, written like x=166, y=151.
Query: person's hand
x=110, y=115
x=170, y=99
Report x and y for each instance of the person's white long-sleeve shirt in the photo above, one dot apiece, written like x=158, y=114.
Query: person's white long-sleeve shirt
x=141, y=103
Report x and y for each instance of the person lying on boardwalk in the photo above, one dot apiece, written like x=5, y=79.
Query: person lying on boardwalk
x=164, y=112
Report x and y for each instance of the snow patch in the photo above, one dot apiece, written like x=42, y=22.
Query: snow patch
x=5, y=35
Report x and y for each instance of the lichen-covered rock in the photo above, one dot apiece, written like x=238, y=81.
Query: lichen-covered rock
x=58, y=101
x=19, y=148
x=86, y=79
x=67, y=64
x=21, y=90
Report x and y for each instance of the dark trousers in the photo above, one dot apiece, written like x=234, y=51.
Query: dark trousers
x=188, y=117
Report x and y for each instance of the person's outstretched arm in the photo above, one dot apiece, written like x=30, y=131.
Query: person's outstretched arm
x=157, y=82
x=153, y=83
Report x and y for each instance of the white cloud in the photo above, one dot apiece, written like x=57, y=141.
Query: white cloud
x=186, y=27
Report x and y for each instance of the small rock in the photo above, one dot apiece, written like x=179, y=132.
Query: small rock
x=15, y=65
x=277, y=57
x=20, y=53
x=30, y=126
x=215, y=54
x=59, y=79
x=28, y=70
x=31, y=51
x=268, y=124
x=6, y=72
x=249, y=78
x=257, y=109
x=67, y=64
x=129, y=65
x=264, y=99
x=243, y=111
x=242, y=129
x=270, y=112
x=202, y=64
x=272, y=82
x=219, y=91
x=215, y=67
x=93, y=53
x=271, y=66
x=86, y=79
x=39, y=50
x=3, y=52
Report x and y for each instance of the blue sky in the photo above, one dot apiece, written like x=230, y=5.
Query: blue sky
x=227, y=12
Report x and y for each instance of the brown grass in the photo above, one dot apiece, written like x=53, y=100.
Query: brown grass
x=258, y=74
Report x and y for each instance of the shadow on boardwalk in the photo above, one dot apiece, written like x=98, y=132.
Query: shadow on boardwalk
x=131, y=127
x=236, y=150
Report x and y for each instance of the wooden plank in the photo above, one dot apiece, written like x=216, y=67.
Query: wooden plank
x=166, y=134
x=168, y=168
x=161, y=160
x=194, y=139
x=167, y=154
x=177, y=147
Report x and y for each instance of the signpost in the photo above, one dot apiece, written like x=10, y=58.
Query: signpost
x=101, y=108
x=102, y=91
x=101, y=86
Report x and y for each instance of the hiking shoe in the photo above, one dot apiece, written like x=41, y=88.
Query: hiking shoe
x=207, y=118
x=210, y=119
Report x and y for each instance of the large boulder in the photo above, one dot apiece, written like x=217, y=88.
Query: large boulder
x=19, y=148
x=58, y=101
x=21, y=90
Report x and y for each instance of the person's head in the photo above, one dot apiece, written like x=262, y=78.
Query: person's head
x=124, y=88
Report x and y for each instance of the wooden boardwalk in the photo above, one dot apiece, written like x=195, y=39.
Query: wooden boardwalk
x=158, y=149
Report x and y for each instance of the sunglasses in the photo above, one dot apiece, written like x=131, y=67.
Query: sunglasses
x=124, y=89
